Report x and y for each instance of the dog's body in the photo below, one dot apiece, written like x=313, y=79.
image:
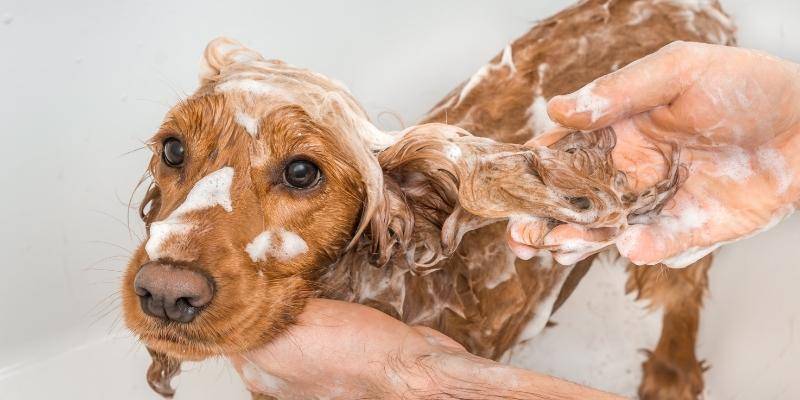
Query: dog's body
x=484, y=297
x=479, y=293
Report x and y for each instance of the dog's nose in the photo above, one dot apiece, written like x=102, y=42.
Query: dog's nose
x=172, y=293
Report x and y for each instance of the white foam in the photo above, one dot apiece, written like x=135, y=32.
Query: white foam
x=538, y=119
x=506, y=271
x=734, y=163
x=640, y=12
x=292, y=245
x=771, y=160
x=695, y=253
x=212, y=190
x=247, y=122
x=280, y=244
x=507, y=59
x=253, y=87
x=453, y=152
x=473, y=81
x=544, y=309
x=258, y=247
x=587, y=101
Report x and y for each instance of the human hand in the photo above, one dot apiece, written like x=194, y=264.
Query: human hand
x=341, y=350
x=734, y=113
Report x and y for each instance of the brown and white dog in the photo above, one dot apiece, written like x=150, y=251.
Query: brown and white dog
x=270, y=186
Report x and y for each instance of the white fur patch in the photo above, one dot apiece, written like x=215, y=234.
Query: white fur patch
x=212, y=190
x=280, y=244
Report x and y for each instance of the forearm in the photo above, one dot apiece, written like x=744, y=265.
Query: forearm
x=463, y=376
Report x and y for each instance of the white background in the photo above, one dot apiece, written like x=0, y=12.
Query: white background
x=83, y=83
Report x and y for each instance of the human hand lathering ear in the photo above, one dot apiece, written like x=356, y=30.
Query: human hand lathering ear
x=735, y=114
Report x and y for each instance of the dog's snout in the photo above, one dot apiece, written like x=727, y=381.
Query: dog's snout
x=172, y=293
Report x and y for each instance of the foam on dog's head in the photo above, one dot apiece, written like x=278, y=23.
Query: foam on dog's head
x=256, y=85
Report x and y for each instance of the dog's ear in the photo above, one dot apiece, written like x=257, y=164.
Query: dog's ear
x=161, y=371
x=420, y=214
x=441, y=182
x=222, y=53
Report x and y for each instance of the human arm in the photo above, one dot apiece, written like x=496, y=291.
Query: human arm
x=345, y=350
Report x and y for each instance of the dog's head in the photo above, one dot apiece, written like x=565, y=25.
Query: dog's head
x=260, y=180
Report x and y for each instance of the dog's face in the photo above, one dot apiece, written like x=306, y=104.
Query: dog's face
x=252, y=197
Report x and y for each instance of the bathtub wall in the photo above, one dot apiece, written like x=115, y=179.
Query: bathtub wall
x=84, y=83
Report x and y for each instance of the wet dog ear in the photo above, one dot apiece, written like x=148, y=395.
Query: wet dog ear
x=441, y=182
x=161, y=371
x=150, y=205
x=420, y=215
x=222, y=53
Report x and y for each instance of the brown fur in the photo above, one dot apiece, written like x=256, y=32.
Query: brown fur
x=432, y=252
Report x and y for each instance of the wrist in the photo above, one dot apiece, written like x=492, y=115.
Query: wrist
x=448, y=375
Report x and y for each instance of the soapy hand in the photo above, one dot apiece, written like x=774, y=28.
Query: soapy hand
x=734, y=113
x=340, y=350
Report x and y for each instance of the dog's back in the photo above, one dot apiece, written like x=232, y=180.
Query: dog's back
x=483, y=296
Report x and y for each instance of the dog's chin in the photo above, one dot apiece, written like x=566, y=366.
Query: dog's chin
x=183, y=344
x=181, y=348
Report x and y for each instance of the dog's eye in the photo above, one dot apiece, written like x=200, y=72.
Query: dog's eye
x=174, y=152
x=301, y=174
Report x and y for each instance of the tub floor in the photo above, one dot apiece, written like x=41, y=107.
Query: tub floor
x=748, y=336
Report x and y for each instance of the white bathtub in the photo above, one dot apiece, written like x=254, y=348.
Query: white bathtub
x=83, y=82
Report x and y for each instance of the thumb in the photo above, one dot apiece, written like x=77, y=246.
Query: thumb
x=653, y=81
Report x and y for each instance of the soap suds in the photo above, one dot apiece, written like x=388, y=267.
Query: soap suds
x=247, y=122
x=771, y=160
x=544, y=309
x=281, y=244
x=212, y=190
x=695, y=253
x=587, y=101
x=453, y=152
x=506, y=60
x=507, y=270
x=640, y=13
x=253, y=87
x=734, y=163
x=539, y=120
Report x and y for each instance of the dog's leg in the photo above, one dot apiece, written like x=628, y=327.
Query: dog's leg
x=161, y=371
x=672, y=370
